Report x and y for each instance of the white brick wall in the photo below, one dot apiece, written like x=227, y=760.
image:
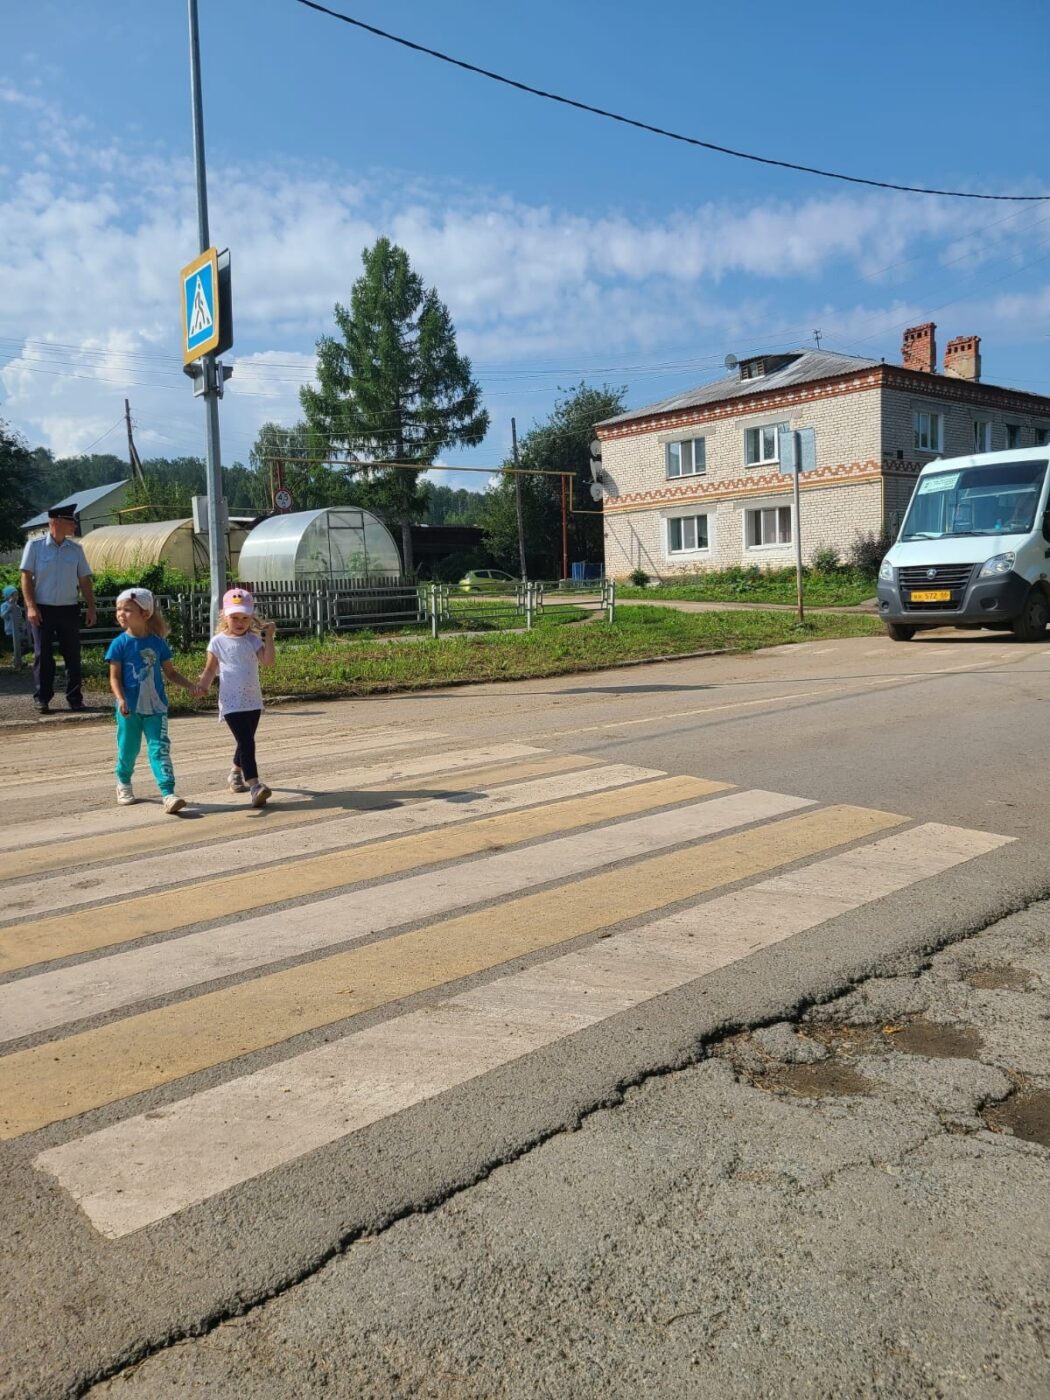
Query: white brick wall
x=866, y=469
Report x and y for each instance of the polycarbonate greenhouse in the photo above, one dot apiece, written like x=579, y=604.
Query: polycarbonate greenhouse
x=336, y=542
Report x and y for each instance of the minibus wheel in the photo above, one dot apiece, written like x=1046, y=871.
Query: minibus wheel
x=900, y=631
x=1032, y=622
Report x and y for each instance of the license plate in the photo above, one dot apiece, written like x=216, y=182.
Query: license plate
x=932, y=595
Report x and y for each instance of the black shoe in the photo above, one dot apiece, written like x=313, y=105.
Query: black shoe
x=42, y=707
x=77, y=708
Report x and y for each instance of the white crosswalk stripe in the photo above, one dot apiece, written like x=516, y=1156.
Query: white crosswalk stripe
x=565, y=889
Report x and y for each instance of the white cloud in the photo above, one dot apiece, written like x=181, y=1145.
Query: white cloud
x=91, y=243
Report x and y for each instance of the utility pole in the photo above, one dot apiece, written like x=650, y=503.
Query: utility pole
x=133, y=452
x=212, y=381
x=517, y=500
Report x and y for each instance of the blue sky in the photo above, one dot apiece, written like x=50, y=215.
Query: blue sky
x=565, y=246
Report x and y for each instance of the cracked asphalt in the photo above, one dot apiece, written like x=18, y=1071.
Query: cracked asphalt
x=875, y=1228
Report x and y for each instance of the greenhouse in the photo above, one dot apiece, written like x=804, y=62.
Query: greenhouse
x=124, y=548
x=337, y=542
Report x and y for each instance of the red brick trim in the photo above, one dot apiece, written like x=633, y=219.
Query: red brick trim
x=844, y=474
x=936, y=386
x=769, y=402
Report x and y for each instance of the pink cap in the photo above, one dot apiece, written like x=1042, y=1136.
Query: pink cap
x=238, y=600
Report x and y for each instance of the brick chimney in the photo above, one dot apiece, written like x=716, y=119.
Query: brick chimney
x=919, y=348
x=962, y=358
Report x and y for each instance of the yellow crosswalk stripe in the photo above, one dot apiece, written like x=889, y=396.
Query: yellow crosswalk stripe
x=170, y=834
x=108, y=925
x=56, y=1081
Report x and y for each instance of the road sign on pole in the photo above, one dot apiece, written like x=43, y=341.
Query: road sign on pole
x=200, y=346
x=797, y=453
x=201, y=307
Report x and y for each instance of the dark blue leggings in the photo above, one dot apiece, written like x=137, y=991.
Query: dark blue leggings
x=243, y=724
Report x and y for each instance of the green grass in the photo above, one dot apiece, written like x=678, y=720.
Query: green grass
x=355, y=666
x=843, y=588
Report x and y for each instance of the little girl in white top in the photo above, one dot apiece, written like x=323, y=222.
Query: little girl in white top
x=240, y=646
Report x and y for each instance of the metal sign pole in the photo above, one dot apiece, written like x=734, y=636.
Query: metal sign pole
x=798, y=535
x=212, y=386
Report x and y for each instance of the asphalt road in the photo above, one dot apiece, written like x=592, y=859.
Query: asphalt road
x=455, y=1053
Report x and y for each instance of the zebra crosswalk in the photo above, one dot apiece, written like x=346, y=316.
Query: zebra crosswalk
x=479, y=904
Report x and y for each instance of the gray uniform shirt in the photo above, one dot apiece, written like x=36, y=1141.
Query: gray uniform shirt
x=56, y=569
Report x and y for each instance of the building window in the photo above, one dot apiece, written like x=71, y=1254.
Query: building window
x=982, y=435
x=1042, y=437
x=1013, y=435
x=929, y=432
x=760, y=444
x=686, y=533
x=687, y=458
x=768, y=527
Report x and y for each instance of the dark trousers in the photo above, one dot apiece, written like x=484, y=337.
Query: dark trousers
x=61, y=625
x=243, y=724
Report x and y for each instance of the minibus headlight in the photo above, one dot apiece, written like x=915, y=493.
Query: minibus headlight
x=998, y=564
x=886, y=571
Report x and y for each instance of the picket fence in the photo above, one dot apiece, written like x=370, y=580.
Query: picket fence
x=354, y=604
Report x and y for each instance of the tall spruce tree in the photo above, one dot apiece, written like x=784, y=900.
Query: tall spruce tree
x=393, y=386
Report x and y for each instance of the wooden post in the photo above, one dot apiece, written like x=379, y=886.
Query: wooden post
x=517, y=500
x=564, y=531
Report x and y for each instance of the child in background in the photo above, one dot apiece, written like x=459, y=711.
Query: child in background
x=14, y=622
x=242, y=644
x=139, y=660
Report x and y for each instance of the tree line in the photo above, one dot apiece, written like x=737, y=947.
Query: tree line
x=393, y=393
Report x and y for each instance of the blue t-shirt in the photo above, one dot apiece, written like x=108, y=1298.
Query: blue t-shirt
x=140, y=660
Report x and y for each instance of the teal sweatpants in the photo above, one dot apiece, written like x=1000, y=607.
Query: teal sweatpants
x=130, y=729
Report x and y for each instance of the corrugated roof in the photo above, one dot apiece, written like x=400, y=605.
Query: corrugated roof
x=79, y=499
x=805, y=366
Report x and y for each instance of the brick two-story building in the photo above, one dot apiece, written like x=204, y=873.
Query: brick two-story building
x=695, y=481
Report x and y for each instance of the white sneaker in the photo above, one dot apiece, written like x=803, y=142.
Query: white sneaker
x=260, y=794
x=235, y=782
x=125, y=797
x=173, y=804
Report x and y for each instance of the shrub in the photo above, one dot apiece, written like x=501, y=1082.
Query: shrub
x=868, y=550
x=825, y=560
x=639, y=578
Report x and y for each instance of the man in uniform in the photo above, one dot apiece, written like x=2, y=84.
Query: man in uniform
x=53, y=568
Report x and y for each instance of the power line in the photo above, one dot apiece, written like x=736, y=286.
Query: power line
x=659, y=130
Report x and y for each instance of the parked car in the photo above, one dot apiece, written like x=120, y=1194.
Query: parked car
x=973, y=549
x=487, y=581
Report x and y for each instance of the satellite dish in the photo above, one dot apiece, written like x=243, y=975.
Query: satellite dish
x=596, y=491
x=596, y=470
x=730, y=362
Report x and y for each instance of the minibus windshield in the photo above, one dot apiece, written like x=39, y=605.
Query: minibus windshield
x=999, y=500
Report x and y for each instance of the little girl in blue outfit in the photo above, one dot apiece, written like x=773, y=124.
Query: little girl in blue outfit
x=139, y=660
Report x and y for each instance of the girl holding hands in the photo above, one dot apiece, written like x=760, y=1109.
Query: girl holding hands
x=240, y=646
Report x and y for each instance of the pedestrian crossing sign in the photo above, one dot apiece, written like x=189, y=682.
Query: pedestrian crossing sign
x=200, y=306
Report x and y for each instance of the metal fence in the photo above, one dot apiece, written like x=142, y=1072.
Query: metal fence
x=347, y=605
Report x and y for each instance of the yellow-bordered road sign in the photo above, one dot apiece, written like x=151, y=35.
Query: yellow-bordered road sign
x=200, y=306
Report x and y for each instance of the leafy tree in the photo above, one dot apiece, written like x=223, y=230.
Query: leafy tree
x=560, y=444
x=56, y=478
x=393, y=386
x=18, y=496
x=448, y=506
x=155, y=498
x=313, y=484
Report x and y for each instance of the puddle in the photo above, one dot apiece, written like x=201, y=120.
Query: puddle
x=1000, y=979
x=939, y=1042
x=1026, y=1114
